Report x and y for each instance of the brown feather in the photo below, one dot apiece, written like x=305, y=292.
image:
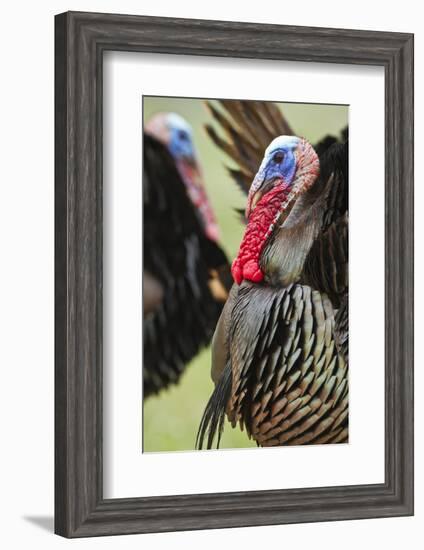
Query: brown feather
x=307, y=411
x=247, y=127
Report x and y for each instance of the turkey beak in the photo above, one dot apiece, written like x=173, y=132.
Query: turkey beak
x=256, y=192
x=255, y=199
x=190, y=161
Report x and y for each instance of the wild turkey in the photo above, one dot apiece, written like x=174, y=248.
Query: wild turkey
x=279, y=352
x=176, y=134
x=185, y=272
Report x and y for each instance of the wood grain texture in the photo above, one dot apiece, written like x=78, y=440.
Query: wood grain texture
x=80, y=509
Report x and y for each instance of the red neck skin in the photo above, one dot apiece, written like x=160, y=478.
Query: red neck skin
x=193, y=181
x=259, y=228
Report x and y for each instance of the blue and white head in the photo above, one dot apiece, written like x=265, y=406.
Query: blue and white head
x=289, y=162
x=174, y=132
x=181, y=138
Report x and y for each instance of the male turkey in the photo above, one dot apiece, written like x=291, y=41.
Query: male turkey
x=176, y=134
x=279, y=352
x=185, y=272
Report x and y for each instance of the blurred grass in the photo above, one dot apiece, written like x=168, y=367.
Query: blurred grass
x=171, y=419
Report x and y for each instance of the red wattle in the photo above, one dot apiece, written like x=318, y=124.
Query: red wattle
x=193, y=181
x=259, y=227
x=252, y=271
x=236, y=272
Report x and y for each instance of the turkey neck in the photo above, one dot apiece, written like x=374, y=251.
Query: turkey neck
x=283, y=258
x=192, y=178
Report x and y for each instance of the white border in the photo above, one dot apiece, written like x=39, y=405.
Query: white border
x=128, y=472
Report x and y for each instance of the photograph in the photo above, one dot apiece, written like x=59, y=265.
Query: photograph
x=245, y=274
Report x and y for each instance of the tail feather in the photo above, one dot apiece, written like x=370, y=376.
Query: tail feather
x=212, y=423
x=246, y=128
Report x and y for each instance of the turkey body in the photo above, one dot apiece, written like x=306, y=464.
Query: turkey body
x=180, y=311
x=280, y=349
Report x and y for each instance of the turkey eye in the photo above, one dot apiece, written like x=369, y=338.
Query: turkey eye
x=278, y=157
x=182, y=135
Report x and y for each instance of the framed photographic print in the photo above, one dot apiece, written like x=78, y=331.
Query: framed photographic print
x=234, y=274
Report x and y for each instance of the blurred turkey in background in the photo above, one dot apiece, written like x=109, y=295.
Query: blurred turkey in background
x=186, y=275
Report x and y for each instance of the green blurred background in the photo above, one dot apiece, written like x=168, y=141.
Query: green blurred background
x=171, y=419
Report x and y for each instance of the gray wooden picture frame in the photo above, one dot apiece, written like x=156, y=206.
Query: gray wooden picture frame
x=80, y=40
